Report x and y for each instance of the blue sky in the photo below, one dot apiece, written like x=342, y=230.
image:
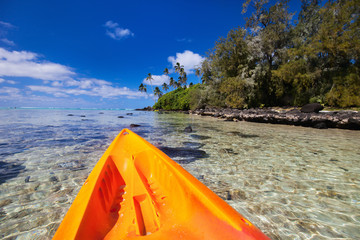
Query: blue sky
x=96, y=53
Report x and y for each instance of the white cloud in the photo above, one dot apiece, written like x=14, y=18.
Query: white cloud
x=4, y=27
x=11, y=82
x=12, y=92
x=19, y=97
x=7, y=41
x=9, y=90
x=26, y=64
x=158, y=80
x=111, y=24
x=6, y=24
x=115, y=32
x=187, y=40
x=188, y=59
x=57, y=84
x=106, y=91
x=58, y=80
x=103, y=91
x=91, y=82
x=16, y=56
x=82, y=83
x=57, y=92
x=7, y=81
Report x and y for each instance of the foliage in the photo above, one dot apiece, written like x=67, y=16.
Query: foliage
x=210, y=96
x=236, y=92
x=270, y=34
x=275, y=60
x=181, y=83
x=179, y=99
x=227, y=72
x=157, y=92
x=165, y=87
x=345, y=91
x=142, y=88
x=182, y=79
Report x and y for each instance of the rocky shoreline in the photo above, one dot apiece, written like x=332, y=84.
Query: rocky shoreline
x=321, y=120
x=309, y=115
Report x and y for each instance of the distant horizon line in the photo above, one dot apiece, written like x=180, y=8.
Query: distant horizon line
x=66, y=108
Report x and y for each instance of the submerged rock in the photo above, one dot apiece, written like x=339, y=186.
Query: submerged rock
x=321, y=125
x=72, y=165
x=54, y=179
x=228, y=151
x=120, y=116
x=134, y=125
x=10, y=170
x=346, y=170
x=188, y=129
x=244, y=135
x=27, y=179
x=194, y=145
x=238, y=195
x=5, y=202
x=2, y=215
x=182, y=154
x=200, y=137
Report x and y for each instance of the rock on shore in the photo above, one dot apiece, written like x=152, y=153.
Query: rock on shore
x=144, y=109
x=335, y=119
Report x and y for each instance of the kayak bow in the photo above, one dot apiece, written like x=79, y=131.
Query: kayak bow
x=136, y=191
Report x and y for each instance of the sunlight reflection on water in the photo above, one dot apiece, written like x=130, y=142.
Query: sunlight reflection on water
x=291, y=182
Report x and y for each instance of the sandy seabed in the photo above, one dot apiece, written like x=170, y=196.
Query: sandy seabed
x=291, y=182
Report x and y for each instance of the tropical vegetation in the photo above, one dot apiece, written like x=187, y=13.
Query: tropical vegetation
x=279, y=59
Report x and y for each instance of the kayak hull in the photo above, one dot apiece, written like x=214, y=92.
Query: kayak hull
x=136, y=191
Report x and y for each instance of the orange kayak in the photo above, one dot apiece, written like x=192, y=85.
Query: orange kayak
x=135, y=191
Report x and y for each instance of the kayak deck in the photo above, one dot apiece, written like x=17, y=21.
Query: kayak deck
x=136, y=191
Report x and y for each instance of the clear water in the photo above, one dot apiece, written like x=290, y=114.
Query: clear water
x=291, y=182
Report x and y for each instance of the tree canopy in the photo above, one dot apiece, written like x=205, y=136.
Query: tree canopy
x=275, y=60
x=279, y=59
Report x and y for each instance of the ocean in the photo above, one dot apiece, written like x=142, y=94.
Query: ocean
x=291, y=182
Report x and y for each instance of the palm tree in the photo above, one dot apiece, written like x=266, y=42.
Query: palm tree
x=142, y=88
x=172, y=82
x=166, y=71
x=198, y=73
x=149, y=79
x=165, y=87
x=179, y=81
x=157, y=92
x=182, y=74
x=178, y=68
x=184, y=78
x=177, y=84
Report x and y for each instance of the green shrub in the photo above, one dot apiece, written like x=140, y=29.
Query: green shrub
x=179, y=99
x=345, y=91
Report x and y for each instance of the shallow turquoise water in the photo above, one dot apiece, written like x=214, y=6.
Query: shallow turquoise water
x=291, y=182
